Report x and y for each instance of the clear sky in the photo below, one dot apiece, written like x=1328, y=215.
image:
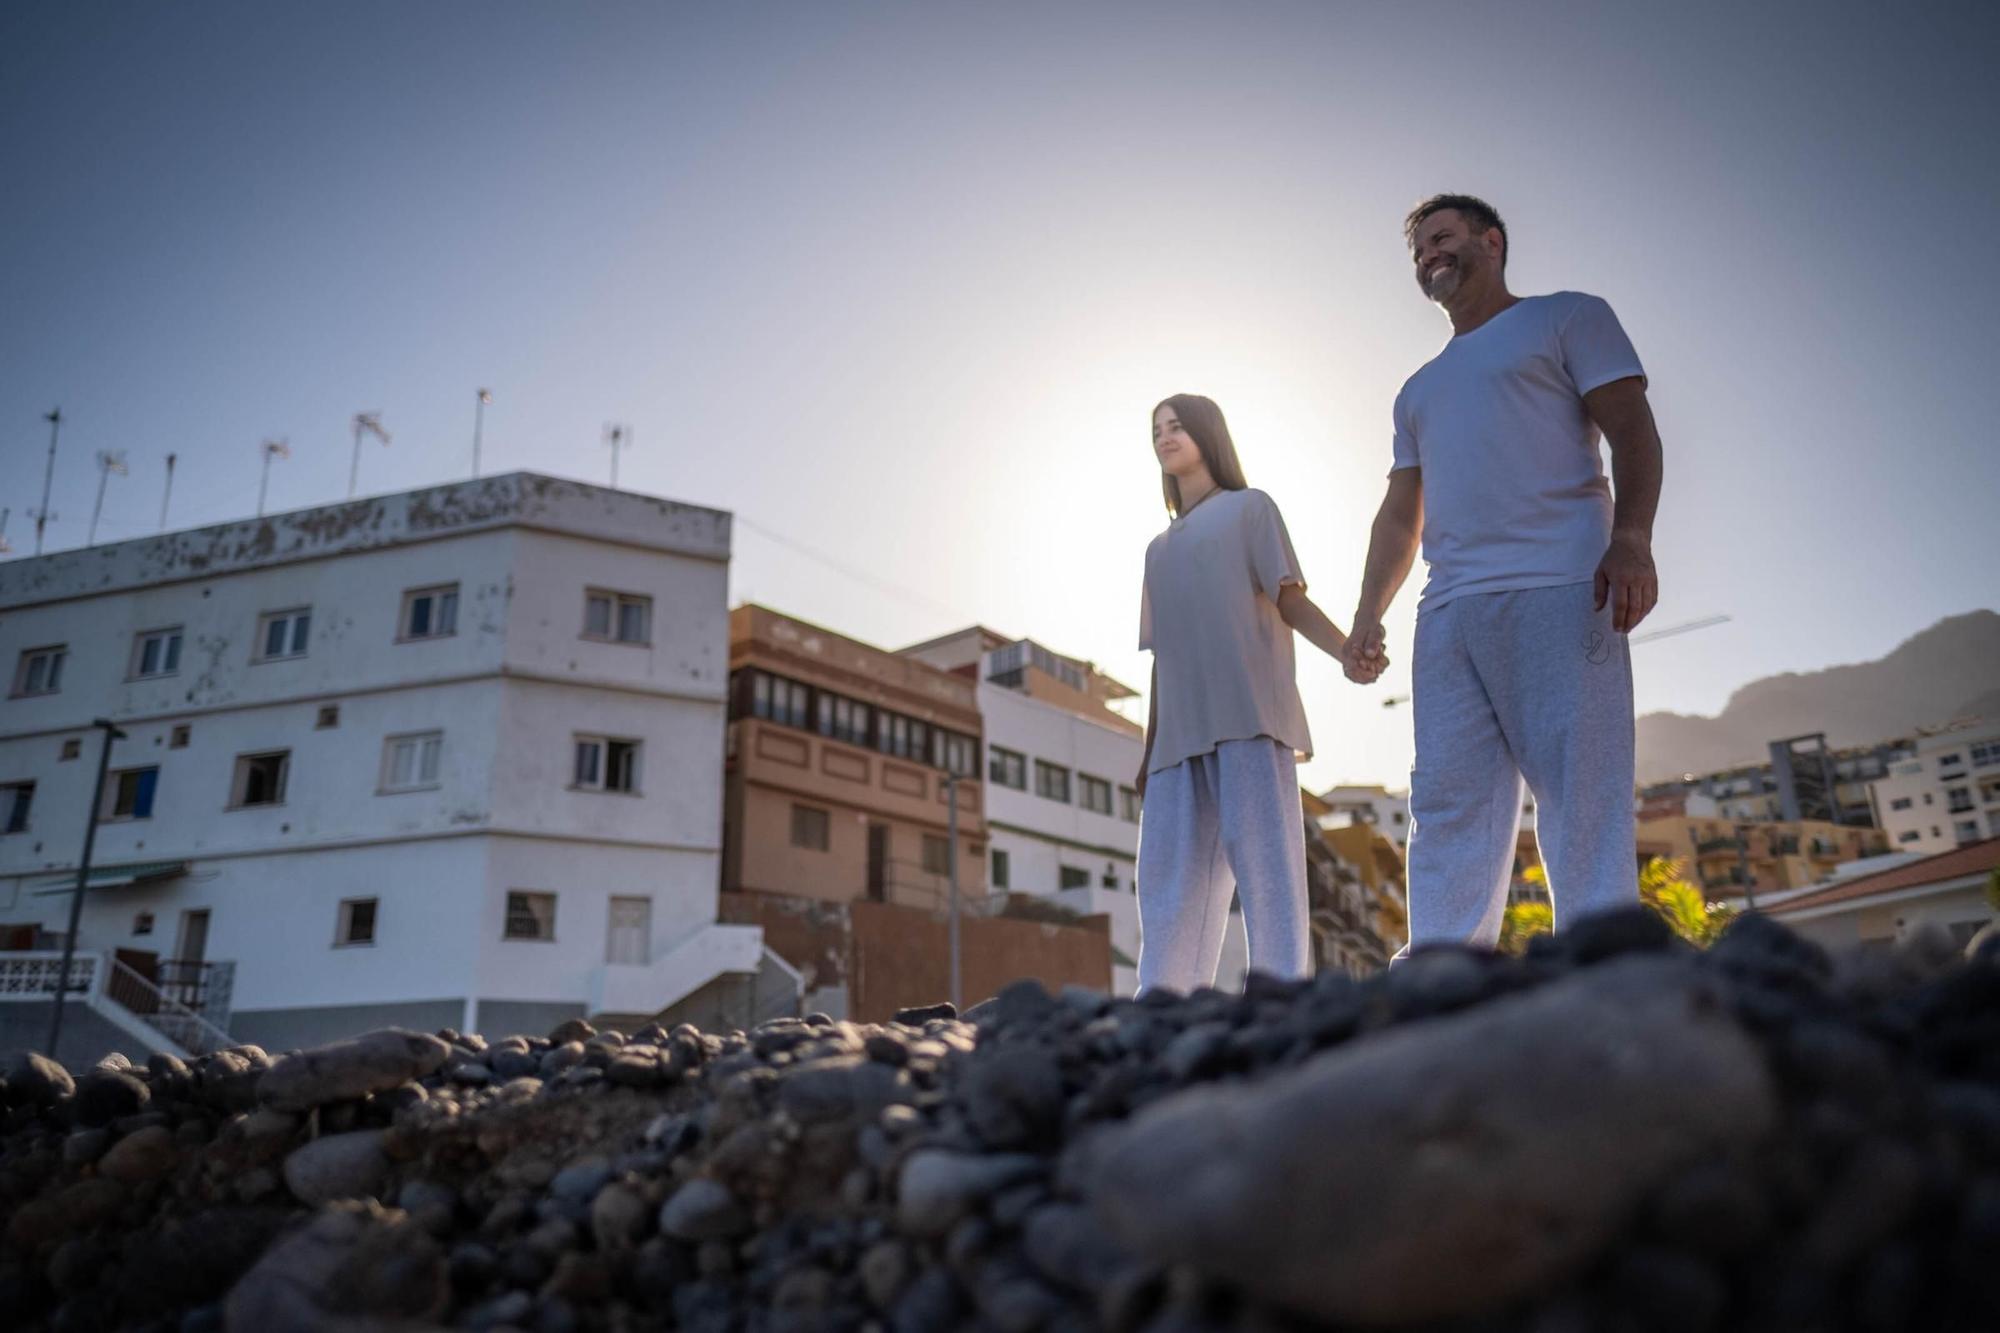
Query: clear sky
x=901, y=283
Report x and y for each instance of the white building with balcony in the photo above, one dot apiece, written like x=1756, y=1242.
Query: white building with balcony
x=449, y=758
x=1062, y=813
x=1944, y=795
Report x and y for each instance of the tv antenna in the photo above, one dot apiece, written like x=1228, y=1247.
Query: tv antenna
x=371, y=423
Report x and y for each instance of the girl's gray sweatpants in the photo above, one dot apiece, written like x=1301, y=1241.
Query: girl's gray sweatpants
x=1508, y=686
x=1220, y=823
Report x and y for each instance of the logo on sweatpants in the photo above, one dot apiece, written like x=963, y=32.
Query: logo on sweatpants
x=1597, y=648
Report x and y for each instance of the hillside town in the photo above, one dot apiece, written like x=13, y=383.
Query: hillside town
x=497, y=755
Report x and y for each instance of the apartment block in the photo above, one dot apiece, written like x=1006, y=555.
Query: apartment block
x=1945, y=794
x=443, y=758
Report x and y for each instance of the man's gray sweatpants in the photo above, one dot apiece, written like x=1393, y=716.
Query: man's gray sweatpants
x=1531, y=684
x=1224, y=822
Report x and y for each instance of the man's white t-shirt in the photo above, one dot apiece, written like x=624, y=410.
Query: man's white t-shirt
x=1515, y=494
x=1208, y=609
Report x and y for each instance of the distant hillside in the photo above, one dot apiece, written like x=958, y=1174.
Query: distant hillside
x=1950, y=670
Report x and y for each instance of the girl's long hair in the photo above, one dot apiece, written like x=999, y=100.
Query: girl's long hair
x=1203, y=422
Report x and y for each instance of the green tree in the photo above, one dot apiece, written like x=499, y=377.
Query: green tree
x=1663, y=886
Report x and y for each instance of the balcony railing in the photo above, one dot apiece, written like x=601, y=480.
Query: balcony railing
x=1709, y=845
x=161, y=1010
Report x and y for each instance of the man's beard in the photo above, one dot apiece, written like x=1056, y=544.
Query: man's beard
x=1443, y=284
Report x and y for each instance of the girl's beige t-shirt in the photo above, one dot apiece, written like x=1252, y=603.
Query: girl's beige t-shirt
x=1209, y=612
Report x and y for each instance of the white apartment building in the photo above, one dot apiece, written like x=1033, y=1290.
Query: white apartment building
x=445, y=758
x=1387, y=811
x=1944, y=795
x=1062, y=813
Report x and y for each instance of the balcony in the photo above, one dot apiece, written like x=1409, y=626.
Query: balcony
x=180, y=1011
x=1711, y=846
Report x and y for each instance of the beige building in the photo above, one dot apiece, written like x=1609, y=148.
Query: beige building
x=1727, y=856
x=1955, y=890
x=837, y=759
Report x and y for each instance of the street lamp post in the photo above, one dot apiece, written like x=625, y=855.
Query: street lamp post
x=951, y=837
x=478, y=421
x=111, y=733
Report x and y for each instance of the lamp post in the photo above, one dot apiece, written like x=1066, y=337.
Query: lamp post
x=111, y=733
x=951, y=837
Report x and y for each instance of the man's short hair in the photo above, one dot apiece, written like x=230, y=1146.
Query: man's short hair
x=1482, y=217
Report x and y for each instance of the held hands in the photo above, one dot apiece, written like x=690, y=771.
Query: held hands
x=1365, y=658
x=1626, y=578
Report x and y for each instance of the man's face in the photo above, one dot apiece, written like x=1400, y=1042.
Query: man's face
x=1449, y=256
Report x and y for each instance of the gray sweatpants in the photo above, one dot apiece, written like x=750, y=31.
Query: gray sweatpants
x=1224, y=822
x=1505, y=686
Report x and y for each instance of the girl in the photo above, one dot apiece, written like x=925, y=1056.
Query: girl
x=1222, y=595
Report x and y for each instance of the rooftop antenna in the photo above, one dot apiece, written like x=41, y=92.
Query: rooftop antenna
x=167, y=494
x=618, y=437
x=478, y=420
x=371, y=422
x=281, y=448
x=108, y=462
x=42, y=515
x=5, y=548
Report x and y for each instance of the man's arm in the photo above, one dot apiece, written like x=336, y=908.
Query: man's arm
x=1626, y=576
x=1303, y=614
x=1152, y=721
x=1392, y=549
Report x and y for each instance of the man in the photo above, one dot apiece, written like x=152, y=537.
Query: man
x=1520, y=666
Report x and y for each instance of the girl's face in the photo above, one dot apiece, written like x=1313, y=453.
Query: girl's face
x=1176, y=450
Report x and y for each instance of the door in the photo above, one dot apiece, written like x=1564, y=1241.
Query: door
x=878, y=861
x=631, y=932
x=182, y=980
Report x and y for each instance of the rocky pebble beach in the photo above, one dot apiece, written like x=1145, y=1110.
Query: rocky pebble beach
x=1610, y=1132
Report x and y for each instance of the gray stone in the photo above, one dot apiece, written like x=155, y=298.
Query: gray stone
x=105, y=1095
x=580, y=1181
x=703, y=1209
x=85, y=1146
x=432, y=1206
x=146, y=1155
x=885, y=1271
x=1065, y=1245
x=352, y=1268
x=618, y=1217
x=511, y=1062
x=936, y=1187
x=562, y=1057
x=1014, y=1098
x=341, y=1070
x=1565, y=1105
x=1195, y=1050
x=339, y=1166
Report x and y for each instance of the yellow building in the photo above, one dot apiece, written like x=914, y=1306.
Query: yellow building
x=1729, y=857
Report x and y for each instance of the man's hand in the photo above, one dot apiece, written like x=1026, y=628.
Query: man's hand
x=1626, y=578
x=1366, y=658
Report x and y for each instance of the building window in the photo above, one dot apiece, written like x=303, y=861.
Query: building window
x=1000, y=869
x=937, y=855
x=620, y=617
x=328, y=718
x=260, y=778
x=776, y=699
x=357, y=922
x=1073, y=877
x=283, y=634
x=410, y=763
x=1007, y=768
x=1966, y=830
x=178, y=740
x=40, y=671
x=1051, y=781
x=15, y=800
x=142, y=924
x=128, y=793
x=71, y=748
x=430, y=613
x=1901, y=803
x=530, y=916
x=1952, y=760
x=1984, y=753
x=157, y=653
x=1909, y=835
x=1094, y=793
x=1128, y=804
x=1959, y=799
x=843, y=719
x=904, y=737
x=954, y=752
x=811, y=829
x=605, y=764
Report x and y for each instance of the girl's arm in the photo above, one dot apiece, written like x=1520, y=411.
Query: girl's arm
x=1302, y=615
x=1152, y=720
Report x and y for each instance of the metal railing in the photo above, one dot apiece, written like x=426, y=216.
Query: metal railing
x=162, y=1012
x=35, y=976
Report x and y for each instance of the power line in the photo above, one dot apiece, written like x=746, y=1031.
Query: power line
x=859, y=576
